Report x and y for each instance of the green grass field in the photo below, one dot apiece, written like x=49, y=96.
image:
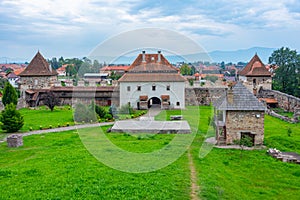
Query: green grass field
x=42, y=116
x=58, y=166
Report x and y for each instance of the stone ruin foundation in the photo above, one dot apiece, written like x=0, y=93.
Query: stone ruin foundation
x=15, y=140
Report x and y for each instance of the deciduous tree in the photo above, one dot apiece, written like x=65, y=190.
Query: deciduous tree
x=51, y=100
x=287, y=76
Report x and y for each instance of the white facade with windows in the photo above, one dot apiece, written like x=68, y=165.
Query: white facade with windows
x=129, y=93
x=151, y=79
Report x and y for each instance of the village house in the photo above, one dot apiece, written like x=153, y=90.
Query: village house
x=255, y=75
x=151, y=79
x=13, y=79
x=116, y=69
x=238, y=113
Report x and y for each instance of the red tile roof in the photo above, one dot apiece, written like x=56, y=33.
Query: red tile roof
x=255, y=68
x=216, y=75
x=151, y=63
x=153, y=77
x=38, y=66
x=115, y=68
x=18, y=71
x=149, y=68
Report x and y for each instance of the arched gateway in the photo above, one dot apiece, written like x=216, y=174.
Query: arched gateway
x=154, y=101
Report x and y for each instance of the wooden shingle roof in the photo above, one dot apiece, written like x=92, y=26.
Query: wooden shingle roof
x=255, y=68
x=243, y=100
x=38, y=66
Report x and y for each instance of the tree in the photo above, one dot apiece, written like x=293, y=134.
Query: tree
x=9, y=95
x=54, y=63
x=51, y=100
x=287, y=76
x=11, y=119
x=222, y=65
x=3, y=81
x=185, y=70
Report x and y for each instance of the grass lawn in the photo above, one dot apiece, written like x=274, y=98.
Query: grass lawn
x=34, y=118
x=44, y=117
x=58, y=166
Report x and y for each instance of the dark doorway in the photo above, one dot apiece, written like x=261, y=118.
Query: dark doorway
x=248, y=134
x=153, y=101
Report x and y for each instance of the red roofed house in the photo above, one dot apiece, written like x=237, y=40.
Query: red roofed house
x=256, y=75
x=150, y=80
x=117, y=69
x=38, y=74
x=13, y=79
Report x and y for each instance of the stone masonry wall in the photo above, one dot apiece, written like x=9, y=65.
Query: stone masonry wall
x=285, y=101
x=202, y=96
x=38, y=82
x=244, y=121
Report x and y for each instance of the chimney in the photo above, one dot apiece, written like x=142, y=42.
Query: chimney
x=143, y=56
x=159, y=56
x=230, y=95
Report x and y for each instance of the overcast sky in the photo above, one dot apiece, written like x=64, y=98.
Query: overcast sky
x=73, y=28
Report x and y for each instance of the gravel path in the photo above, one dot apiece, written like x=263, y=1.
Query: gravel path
x=67, y=128
x=153, y=111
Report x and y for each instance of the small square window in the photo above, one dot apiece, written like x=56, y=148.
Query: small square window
x=153, y=87
x=128, y=88
x=177, y=103
x=139, y=88
x=168, y=87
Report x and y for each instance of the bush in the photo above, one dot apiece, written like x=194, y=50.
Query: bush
x=101, y=112
x=126, y=109
x=108, y=116
x=11, y=119
x=83, y=114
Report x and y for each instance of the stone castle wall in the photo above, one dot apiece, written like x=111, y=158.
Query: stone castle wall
x=285, y=101
x=244, y=121
x=38, y=82
x=202, y=96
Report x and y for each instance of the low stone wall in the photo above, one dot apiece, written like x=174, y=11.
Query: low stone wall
x=284, y=118
x=285, y=101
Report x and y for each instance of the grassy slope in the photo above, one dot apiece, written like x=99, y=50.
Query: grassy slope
x=226, y=174
x=57, y=166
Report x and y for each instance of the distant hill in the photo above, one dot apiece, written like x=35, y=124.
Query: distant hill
x=243, y=55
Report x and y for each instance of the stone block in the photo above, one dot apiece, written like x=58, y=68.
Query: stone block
x=15, y=140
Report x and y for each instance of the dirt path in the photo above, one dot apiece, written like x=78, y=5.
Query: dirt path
x=193, y=177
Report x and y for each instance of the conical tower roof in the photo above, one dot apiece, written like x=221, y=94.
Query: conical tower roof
x=38, y=66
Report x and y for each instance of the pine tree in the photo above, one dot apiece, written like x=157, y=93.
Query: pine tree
x=9, y=95
x=11, y=119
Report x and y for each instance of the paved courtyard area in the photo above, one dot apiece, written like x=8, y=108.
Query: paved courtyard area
x=150, y=126
x=147, y=124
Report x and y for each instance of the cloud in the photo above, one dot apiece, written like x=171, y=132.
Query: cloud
x=87, y=22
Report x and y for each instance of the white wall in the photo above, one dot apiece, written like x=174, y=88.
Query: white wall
x=176, y=92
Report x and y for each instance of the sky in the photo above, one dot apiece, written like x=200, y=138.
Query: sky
x=73, y=28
